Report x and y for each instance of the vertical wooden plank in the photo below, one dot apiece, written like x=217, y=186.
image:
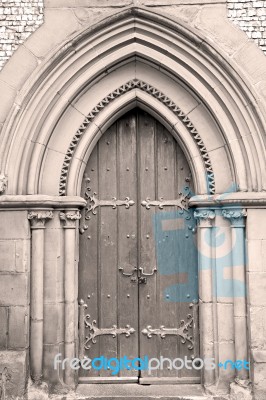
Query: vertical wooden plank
x=188, y=260
x=147, y=259
x=168, y=271
x=88, y=260
x=107, y=282
x=127, y=238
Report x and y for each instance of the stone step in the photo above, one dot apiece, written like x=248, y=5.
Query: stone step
x=139, y=392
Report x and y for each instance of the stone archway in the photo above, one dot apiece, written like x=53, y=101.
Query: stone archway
x=180, y=77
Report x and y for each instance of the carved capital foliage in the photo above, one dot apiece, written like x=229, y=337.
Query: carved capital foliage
x=38, y=218
x=70, y=218
x=236, y=216
x=204, y=217
x=3, y=183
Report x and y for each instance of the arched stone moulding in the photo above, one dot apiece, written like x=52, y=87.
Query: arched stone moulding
x=177, y=53
x=151, y=90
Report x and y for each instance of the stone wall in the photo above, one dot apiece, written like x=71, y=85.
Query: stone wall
x=19, y=18
x=250, y=16
x=14, y=301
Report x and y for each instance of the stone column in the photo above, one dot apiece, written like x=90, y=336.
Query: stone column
x=236, y=217
x=70, y=218
x=37, y=219
x=205, y=219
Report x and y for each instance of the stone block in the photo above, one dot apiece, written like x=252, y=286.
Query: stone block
x=7, y=255
x=225, y=316
x=53, y=323
x=255, y=64
x=3, y=327
x=14, y=224
x=238, y=392
x=14, y=289
x=158, y=3
x=256, y=221
x=260, y=381
x=14, y=255
x=254, y=255
x=51, y=375
x=23, y=64
x=256, y=287
x=15, y=364
x=257, y=327
x=213, y=21
x=259, y=356
x=22, y=255
x=18, y=328
x=8, y=94
x=59, y=25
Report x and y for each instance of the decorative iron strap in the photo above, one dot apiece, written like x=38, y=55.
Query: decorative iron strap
x=93, y=203
x=160, y=96
x=182, y=332
x=161, y=203
x=94, y=331
x=103, y=203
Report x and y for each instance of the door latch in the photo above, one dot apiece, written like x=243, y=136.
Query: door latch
x=142, y=279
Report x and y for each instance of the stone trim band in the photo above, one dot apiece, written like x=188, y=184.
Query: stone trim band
x=130, y=85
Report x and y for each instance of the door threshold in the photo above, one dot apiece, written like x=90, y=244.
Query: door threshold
x=140, y=392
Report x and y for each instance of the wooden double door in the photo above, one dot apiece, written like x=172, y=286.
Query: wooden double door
x=138, y=256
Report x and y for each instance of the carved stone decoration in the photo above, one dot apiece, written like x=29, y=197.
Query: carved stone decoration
x=94, y=331
x=70, y=218
x=182, y=332
x=131, y=85
x=204, y=217
x=236, y=216
x=3, y=183
x=38, y=218
x=161, y=203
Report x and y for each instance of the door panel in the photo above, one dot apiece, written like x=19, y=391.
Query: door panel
x=138, y=259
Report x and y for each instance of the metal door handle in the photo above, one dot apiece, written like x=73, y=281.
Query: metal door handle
x=147, y=273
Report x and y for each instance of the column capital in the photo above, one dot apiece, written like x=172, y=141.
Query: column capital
x=70, y=217
x=236, y=216
x=204, y=217
x=38, y=218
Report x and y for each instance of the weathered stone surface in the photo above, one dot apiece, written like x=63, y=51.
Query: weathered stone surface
x=256, y=222
x=260, y=381
x=16, y=364
x=238, y=392
x=18, y=328
x=257, y=286
x=257, y=327
x=59, y=24
x=53, y=323
x=18, y=225
x=259, y=356
x=3, y=327
x=14, y=289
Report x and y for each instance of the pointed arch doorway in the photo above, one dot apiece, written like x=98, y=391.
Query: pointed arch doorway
x=138, y=280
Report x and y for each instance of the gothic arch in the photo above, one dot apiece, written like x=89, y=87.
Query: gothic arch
x=134, y=44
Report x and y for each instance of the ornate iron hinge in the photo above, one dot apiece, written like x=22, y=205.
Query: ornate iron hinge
x=182, y=332
x=161, y=203
x=109, y=203
x=94, y=331
x=93, y=203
